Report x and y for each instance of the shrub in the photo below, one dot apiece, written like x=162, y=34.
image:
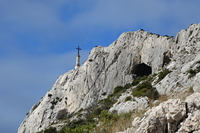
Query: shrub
x=145, y=89
x=107, y=102
x=162, y=74
x=112, y=122
x=73, y=124
x=107, y=116
x=127, y=86
x=78, y=126
x=79, y=129
x=128, y=98
x=50, y=130
x=142, y=78
x=135, y=82
x=140, y=93
x=118, y=89
x=150, y=78
x=97, y=111
x=138, y=80
x=192, y=73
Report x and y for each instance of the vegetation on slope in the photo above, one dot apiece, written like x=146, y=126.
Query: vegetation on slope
x=146, y=89
x=109, y=122
x=162, y=74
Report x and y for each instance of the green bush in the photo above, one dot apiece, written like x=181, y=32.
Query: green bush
x=97, y=111
x=140, y=93
x=78, y=127
x=145, y=89
x=121, y=89
x=118, y=89
x=135, y=82
x=107, y=116
x=142, y=78
x=127, y=86
x=150, y=78
x=75, y=123
x=49, y=130
x=192, y=73
x=162, y=74
x=107, y=102
x=128, y=98
x=138, y=80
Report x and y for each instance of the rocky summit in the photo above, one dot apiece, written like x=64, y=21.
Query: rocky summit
x=156, y=77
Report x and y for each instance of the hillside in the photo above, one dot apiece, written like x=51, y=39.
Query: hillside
x=137, y=73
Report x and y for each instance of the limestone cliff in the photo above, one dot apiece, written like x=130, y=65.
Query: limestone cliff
x=132, y=54
x=172, y=116
x=177, y=115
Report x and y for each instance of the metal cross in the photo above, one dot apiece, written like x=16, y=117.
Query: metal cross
x=78, y=50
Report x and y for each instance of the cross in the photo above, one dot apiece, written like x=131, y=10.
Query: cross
x=78, y=50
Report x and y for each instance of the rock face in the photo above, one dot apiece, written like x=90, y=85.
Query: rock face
x=161, y=119
x=172, y=116
x=185, y=57
x=192, y=122
x=139, y=104
x=132, y=54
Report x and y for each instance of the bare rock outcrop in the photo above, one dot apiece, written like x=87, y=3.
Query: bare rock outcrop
x=192, y=122
x=132, y=54
x=185, y=59
x=134, y=104
x=106, y=68
x=172, y=116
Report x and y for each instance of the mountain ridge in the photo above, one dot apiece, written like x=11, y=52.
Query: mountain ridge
x=117, y=65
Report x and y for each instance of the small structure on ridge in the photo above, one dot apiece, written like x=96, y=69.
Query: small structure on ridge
x=78, y=58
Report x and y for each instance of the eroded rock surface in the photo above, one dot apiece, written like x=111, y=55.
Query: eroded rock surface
x=119, y=64
x=172, y=116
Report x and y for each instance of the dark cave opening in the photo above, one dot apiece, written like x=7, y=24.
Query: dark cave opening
x=142, y=70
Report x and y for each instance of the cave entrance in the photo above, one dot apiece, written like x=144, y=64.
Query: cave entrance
x=143, y=70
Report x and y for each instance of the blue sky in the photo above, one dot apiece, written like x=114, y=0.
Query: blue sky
x=38, y=40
